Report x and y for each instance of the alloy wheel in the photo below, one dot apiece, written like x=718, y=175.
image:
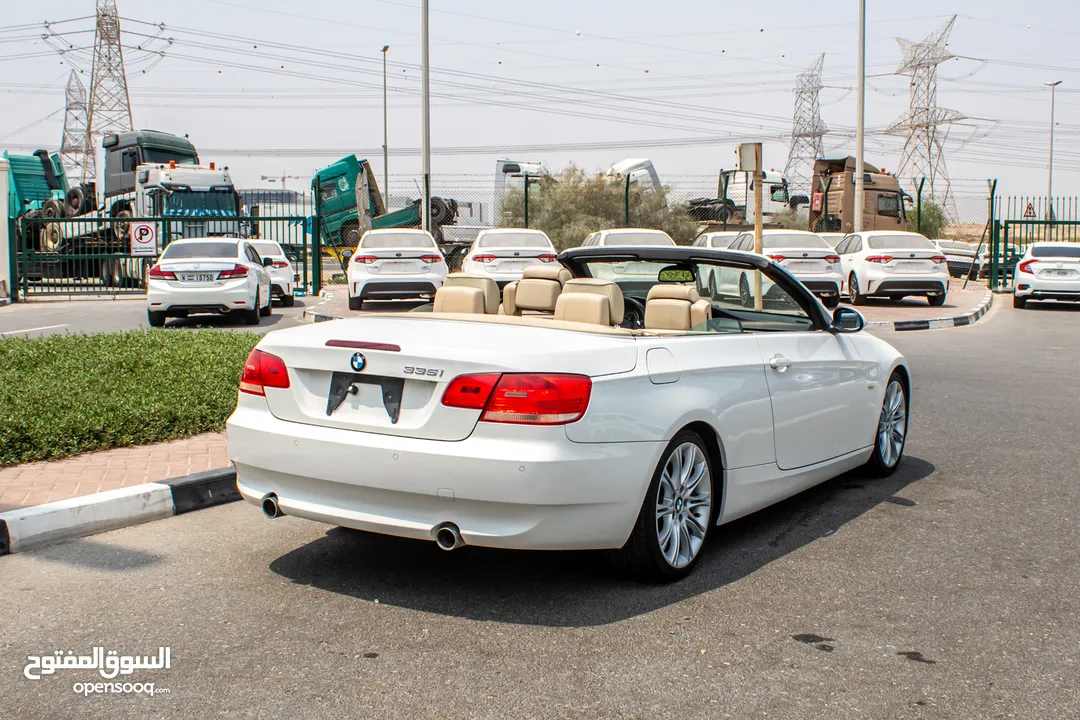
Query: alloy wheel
x=892, y=426
x=683, y=504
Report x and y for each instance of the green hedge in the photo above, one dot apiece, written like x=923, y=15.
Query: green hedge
x=68, y=394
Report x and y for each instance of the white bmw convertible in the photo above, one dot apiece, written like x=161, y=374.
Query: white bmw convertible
x=583, y=408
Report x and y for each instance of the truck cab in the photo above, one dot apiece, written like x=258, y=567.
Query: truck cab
x=832, y=207
x=739, y=195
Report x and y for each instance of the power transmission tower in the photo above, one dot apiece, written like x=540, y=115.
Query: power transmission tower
x=110, y=107
x=75, y=154
x=925, y=125
x=807, y=129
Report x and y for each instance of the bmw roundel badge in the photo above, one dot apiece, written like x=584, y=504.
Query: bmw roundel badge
x=358, y=361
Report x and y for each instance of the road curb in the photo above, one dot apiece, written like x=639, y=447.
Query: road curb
x=966, y=319
x=314, y=315
x=40, y=525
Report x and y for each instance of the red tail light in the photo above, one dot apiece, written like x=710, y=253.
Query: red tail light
x=237, y=271
x=281, y=263
x=777, y=258
x=263, y=370
x=939, y=259
x=1025, y=267
x=430, y=258
x=158, y=274
x=470, y=391
x=548, y=257
x=522, y=398
x=483, y=258
x=366, y=259
x=879, y=258
x=832, y=258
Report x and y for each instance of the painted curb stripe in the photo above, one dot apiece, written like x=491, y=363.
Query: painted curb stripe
x=203, y=490
x=905, y=325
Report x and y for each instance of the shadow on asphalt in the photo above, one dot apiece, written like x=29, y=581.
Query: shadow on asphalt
x=575, y=589
x=86, y=553
x=232, y=320
x=1052, y=306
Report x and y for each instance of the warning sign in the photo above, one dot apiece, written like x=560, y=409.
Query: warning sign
x=1029, y=213
x=818, y=202
x=143, y=239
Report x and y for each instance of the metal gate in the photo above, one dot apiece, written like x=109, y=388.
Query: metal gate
x=99, y=256
x=1028, y=220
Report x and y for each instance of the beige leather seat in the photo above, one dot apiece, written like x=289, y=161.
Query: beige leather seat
x=589, y=300
x=537, y=290
x=459, y=299
x=552, y=271
x=675, y=307
x=486, y=285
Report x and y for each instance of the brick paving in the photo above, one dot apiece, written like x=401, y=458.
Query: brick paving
x=42, y=482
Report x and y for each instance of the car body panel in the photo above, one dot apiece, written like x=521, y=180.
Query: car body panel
x=198, y=286
x=910, y=271
x=399, y=270
x=1052, y=272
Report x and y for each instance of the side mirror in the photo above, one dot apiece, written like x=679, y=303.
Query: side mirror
x=267, y=262
x=847, y=320
x=346, y=254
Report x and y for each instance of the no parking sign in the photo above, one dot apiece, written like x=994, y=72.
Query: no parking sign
x=143, y=239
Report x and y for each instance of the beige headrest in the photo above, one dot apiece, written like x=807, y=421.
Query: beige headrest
x=599, y=287
x=487, y=285
x=553, y=271
x=674, y=292
x=459, y=300
x=591, y=308
x=536, y=294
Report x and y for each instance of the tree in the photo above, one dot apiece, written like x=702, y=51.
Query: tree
x=933, y=218
x=571, y=205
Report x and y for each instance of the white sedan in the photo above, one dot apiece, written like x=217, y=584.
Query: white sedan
x=635, y=417
x=803, y=254
x=1047, y=271
x=503, y=253
x=893, y=265
x=222, y=275
x=394, y=263
x=283, y=277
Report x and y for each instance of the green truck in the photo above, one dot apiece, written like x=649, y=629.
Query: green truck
x=338, y=186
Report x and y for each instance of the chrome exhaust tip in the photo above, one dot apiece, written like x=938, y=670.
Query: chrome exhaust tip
x=270, y=506
x=448, y=537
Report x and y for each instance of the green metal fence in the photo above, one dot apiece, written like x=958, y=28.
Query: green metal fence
x=111, y=255
x=1023, y=220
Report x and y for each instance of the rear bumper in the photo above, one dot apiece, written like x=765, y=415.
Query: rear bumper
x=1029, y=286
x=391, y=287
x=504, y=486
x=823, y=288
x=907, y=286
x=280, y=289
x=161, y=296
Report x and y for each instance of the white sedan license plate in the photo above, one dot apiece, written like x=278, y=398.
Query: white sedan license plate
x=1059, y=273
x=198, y=277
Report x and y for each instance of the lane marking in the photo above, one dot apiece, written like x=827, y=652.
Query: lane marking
x=30, y=330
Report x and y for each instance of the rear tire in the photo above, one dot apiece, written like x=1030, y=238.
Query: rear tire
x=356, y=303
x=891, y=437
x=287, y=301
x=936, y=300
x=251, y=317
x=676, y=515
x=855, y=296
x=1019, y=303
x=831, y=302
x=266, y=311
x=156, y=318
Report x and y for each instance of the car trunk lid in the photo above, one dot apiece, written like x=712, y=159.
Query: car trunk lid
x=399, y=368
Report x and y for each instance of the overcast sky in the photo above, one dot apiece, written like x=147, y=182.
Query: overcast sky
x=515, y=79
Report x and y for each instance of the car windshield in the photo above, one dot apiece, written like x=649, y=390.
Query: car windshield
x=210, y=249
x=1055, y=251
x=514, y=240
x=730, y=289
x=641, y=238
x=153, y=156
x=812, y=242
x=396, y=240
x=268, y=249
x=900, y=242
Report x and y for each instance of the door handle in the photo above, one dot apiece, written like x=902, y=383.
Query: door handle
x=779, y=363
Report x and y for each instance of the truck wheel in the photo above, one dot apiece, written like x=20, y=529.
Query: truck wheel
x=287, y=301
x=110, y=272
x=52, y=209
x=76, y=196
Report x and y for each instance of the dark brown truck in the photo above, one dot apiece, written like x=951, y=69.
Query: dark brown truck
x=832, y=200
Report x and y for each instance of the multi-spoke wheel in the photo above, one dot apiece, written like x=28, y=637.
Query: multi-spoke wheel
x=676, y=515
x=891, y=430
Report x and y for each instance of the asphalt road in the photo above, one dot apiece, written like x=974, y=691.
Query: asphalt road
x=40, y=318
x=947, y=591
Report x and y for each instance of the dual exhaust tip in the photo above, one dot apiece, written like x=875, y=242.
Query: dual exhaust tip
x=447, y=535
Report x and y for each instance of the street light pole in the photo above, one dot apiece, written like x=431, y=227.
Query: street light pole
x=385, y=145
x=860, y=190
x=1050, y=170
x=425, y=102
